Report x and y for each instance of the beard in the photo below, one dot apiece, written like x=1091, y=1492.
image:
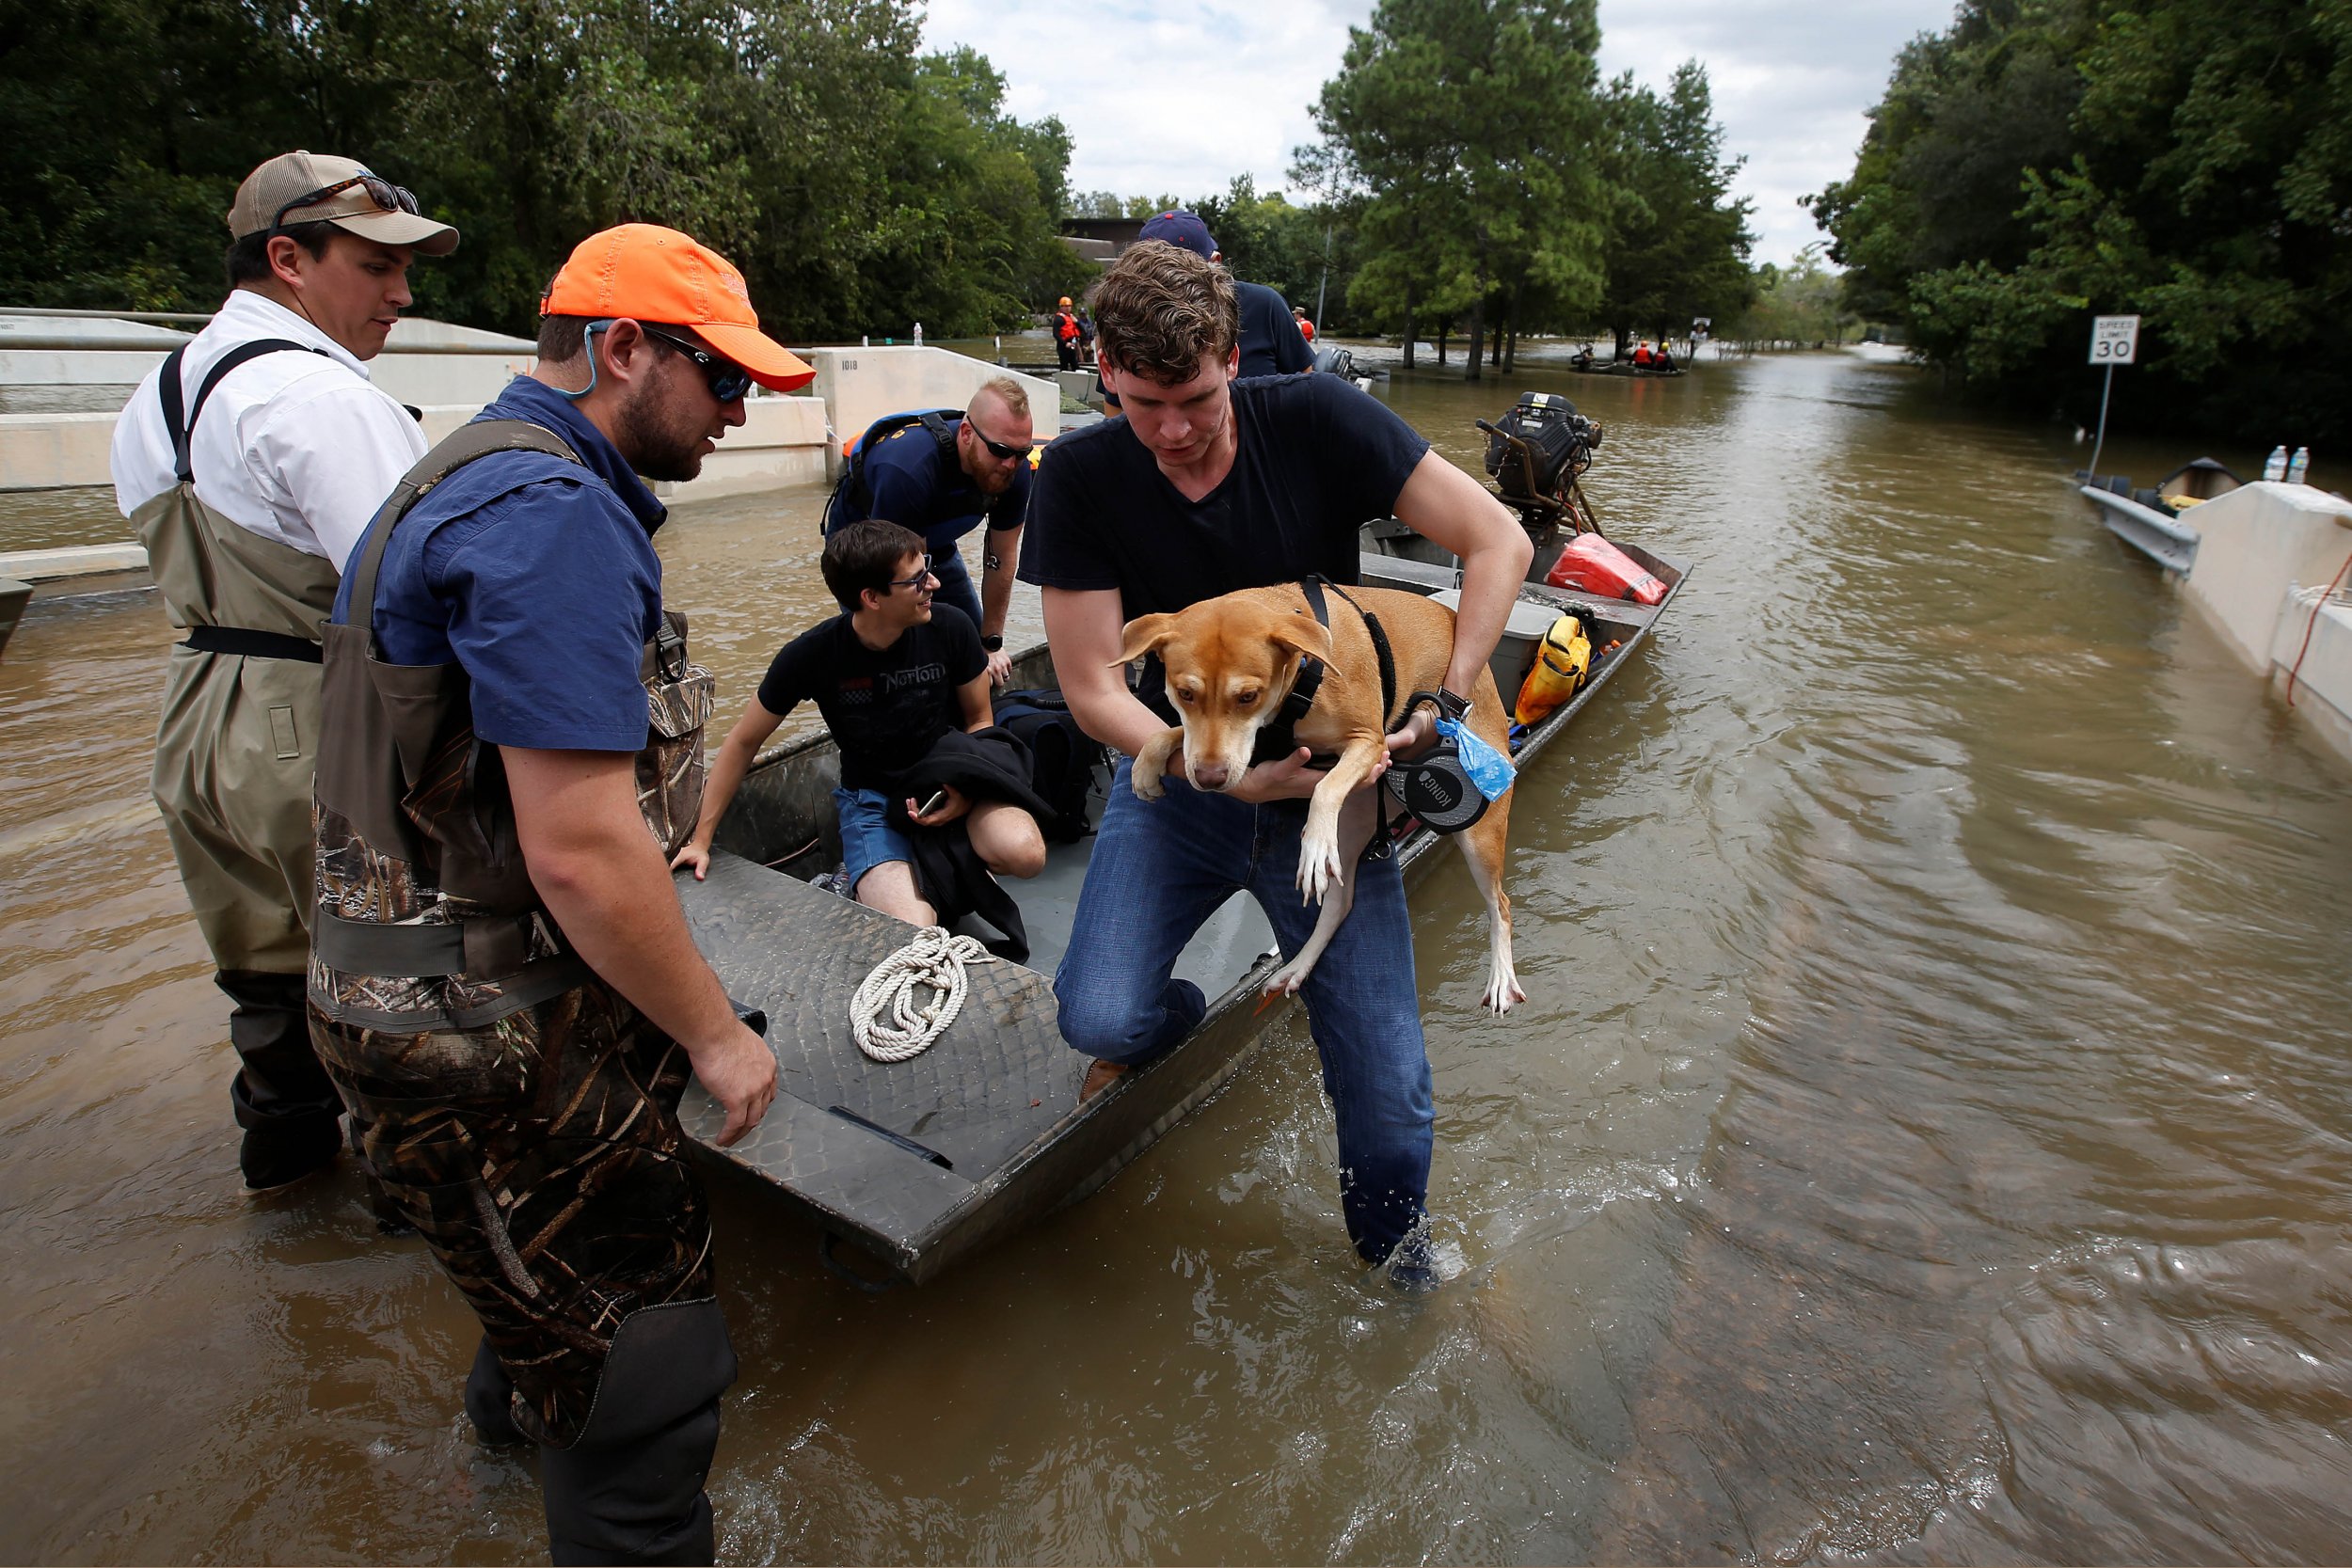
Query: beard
x=658, y=437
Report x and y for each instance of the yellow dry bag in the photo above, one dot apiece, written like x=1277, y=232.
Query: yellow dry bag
x=1562, y=661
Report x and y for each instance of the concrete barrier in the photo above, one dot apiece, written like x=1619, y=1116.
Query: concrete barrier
x=860, y=385
x=2268, y=551
x=50, y=451
x=782, y=442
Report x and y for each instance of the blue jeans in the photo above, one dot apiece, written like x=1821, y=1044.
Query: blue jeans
x=868, y=839
x=955, y=582
x=1161, y=868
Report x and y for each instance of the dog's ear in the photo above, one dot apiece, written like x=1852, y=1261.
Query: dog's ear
x=1301, y=636
x=1143, y=633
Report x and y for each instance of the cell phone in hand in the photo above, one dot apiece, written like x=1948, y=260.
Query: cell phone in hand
x=934, y=803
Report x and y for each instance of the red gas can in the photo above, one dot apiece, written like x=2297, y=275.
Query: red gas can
x=1594, y=565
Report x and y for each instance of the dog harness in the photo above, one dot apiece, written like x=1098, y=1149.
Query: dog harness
x=1277, y=739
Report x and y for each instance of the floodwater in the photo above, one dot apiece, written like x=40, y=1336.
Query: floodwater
x=1927, y=1139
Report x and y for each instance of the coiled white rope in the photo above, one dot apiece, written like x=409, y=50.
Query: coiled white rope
x=933, y=959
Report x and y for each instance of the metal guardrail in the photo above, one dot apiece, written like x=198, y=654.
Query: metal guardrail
x=107, y=315
x=11, y=344
x=83, y=345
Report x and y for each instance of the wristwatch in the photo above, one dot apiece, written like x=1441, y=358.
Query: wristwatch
x=991, y=644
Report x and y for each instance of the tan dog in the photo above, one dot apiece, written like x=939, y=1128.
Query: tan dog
x=1231, y=663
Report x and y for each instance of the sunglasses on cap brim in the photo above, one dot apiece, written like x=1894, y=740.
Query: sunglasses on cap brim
x=387, y=198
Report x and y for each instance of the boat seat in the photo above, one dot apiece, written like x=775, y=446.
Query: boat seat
x=1423, y=577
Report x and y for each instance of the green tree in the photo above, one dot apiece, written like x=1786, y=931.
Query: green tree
x=1678, y=240
x=2044, y=160
x=855, y=183
x=1462, y=125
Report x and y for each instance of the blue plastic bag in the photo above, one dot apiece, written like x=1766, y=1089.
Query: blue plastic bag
x=1488, y=768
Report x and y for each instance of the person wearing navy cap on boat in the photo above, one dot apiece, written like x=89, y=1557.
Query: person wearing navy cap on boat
x=1271, y=341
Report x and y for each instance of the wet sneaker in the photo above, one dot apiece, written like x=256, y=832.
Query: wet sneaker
x=1421, y=1262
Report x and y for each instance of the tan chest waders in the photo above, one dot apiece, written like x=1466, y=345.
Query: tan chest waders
x=238, y=739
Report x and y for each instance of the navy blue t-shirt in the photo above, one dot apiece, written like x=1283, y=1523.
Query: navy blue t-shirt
x=1271, y=343
x=536, y=575
x=1314, y=460
x=911, y=480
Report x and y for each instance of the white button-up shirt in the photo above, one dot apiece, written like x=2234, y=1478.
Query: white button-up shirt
x=300, y=447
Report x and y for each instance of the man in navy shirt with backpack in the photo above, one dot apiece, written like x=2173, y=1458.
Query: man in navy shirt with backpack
x=942, y=476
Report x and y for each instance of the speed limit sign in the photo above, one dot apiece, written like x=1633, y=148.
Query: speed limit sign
x=2114, y=339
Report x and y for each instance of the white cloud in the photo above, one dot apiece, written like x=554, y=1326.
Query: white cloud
x=1177, y=99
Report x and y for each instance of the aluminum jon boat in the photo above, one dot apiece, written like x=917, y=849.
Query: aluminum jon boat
x=918, y=1164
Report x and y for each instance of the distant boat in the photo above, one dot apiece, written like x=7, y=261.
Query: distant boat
x=1621, y=367
x=2151, y=520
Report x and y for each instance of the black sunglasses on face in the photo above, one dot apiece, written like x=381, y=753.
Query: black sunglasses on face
x=997, y=450
x=922, y=576
x=728, y=380
x=387, y=196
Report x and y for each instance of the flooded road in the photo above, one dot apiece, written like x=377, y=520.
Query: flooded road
x=1929, y=1137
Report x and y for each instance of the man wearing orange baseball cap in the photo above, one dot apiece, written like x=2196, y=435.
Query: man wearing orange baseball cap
x=502, y=984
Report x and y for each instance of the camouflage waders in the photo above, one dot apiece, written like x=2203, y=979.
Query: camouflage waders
x=234, y=752
x=519, y=1112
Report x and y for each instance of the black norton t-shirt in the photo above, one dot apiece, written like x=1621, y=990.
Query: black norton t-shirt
x=1316, y=459
x=886, y=710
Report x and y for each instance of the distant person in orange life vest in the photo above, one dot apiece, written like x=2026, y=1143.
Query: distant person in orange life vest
x=1065, y=336
x=1306, y=328
x=1641, y=352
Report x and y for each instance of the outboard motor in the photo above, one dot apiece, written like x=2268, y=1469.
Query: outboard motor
x=1534, y=455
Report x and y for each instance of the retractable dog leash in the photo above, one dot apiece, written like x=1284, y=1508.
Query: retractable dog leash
x=1450, y=785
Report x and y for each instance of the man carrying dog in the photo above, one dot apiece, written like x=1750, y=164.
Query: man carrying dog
x=1210, y=484
x=502, y=983
x=250, y=462
x=943, y=490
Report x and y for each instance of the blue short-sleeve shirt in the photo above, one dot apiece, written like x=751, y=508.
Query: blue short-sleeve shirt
x=538, y=576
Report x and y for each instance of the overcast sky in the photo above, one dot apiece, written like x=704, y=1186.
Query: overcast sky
x=1179, y=97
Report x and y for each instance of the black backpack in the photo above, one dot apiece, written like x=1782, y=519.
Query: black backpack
x=1062, y=757
x=852, y=500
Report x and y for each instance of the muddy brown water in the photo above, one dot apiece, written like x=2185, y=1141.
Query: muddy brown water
x=1927, y=1139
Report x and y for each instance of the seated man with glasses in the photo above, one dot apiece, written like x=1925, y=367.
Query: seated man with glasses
x=943, y=486
x=893, y=674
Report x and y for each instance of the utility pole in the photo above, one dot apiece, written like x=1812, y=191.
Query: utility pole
x=1324, y=281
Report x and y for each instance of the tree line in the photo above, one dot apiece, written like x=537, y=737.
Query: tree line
x=1474, y=175
x=1486, y=178
x=2042, y=162
x=862, y=184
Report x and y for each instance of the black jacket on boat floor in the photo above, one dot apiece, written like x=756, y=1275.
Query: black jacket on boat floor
x=986, y=765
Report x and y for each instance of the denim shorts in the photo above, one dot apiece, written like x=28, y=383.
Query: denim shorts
x=868, y=839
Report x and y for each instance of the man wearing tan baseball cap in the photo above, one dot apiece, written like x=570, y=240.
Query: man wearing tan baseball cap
x=250, y=462
x=496, y=655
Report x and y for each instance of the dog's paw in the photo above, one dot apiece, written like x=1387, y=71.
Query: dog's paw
x=1287, y=980
x=1320, y=868
x=1502, y=988
x=1149, y=785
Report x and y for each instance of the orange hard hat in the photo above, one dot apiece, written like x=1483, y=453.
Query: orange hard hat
x=648, y=273
x=1065, y=299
